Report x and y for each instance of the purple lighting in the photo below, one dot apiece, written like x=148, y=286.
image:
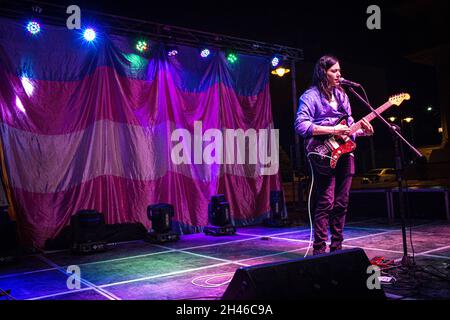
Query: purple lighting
x=33, y=27
x=89, y=34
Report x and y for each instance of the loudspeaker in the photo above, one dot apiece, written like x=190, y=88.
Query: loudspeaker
x=334, y=276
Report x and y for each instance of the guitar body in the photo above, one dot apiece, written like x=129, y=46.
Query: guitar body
x=328, y=149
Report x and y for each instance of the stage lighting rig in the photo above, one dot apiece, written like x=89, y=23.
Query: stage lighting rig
x=33, y=27
x=89, y=34
x=205, y=52
x=161, y=215
x=219, y=217
x=277, y=217
x=142, y=46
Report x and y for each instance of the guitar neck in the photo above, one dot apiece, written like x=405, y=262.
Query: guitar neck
x=356, y=126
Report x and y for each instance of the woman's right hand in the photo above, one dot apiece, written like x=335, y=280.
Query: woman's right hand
x=341, y=129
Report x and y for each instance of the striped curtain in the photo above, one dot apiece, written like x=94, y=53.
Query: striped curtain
x=89, y=125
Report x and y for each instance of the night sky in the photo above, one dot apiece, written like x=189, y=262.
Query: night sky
x=375, y=58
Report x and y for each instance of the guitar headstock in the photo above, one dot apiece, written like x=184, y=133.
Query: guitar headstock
x=398, y=98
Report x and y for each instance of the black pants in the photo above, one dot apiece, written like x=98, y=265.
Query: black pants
x=331, y=202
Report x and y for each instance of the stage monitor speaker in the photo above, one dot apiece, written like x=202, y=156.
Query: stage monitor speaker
x=340, y=275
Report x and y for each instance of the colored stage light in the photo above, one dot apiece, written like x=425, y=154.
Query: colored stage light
x=205, y=53
x=275, y=61
x=232, y=57
x=142, y=46
x=33, y=27
x=172, y=52
x=89, y=34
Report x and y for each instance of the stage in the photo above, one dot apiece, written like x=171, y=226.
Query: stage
x=197, y=267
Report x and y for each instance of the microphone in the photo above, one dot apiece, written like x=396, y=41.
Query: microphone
x=349, y=83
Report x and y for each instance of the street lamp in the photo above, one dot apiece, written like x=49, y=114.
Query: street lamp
x=280, y=71
x=392, y=119
x=408, y=119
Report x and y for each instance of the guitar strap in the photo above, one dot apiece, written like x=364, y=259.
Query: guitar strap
x=340, y=107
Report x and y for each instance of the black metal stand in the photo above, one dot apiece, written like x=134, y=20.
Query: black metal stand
x=394, y=130
x=399, y=160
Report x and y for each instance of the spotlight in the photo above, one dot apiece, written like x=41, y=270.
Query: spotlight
x=172, y=51
x=33, y=27
x=232, y=57
x=275, y=61
x=160, y=215
x=89, y=34
x=280, y=71
x=277, y=216
x=220, y=217
x=205, y=53
x=142, y=46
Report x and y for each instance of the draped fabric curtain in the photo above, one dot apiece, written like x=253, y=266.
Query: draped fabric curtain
x=89, y=126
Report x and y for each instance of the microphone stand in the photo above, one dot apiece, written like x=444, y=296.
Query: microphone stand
x=394, y=130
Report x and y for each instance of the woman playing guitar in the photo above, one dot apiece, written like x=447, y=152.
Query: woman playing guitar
x=320, y=113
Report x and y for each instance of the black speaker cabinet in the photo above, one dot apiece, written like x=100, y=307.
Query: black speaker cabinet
x=336, y=276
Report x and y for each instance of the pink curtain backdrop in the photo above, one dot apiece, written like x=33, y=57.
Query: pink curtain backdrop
x=89, y=126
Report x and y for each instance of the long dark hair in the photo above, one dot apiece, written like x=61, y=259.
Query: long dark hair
x=319, y=79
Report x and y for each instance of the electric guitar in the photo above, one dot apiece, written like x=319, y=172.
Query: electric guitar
x=324, y=151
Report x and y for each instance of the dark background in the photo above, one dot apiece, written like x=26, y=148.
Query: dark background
x=378, y=59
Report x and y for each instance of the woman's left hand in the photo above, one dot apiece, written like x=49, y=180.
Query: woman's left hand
x=366, y=127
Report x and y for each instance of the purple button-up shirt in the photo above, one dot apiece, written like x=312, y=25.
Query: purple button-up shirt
x=314, y=109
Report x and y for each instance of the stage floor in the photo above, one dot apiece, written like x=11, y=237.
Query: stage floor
x=199, y=266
